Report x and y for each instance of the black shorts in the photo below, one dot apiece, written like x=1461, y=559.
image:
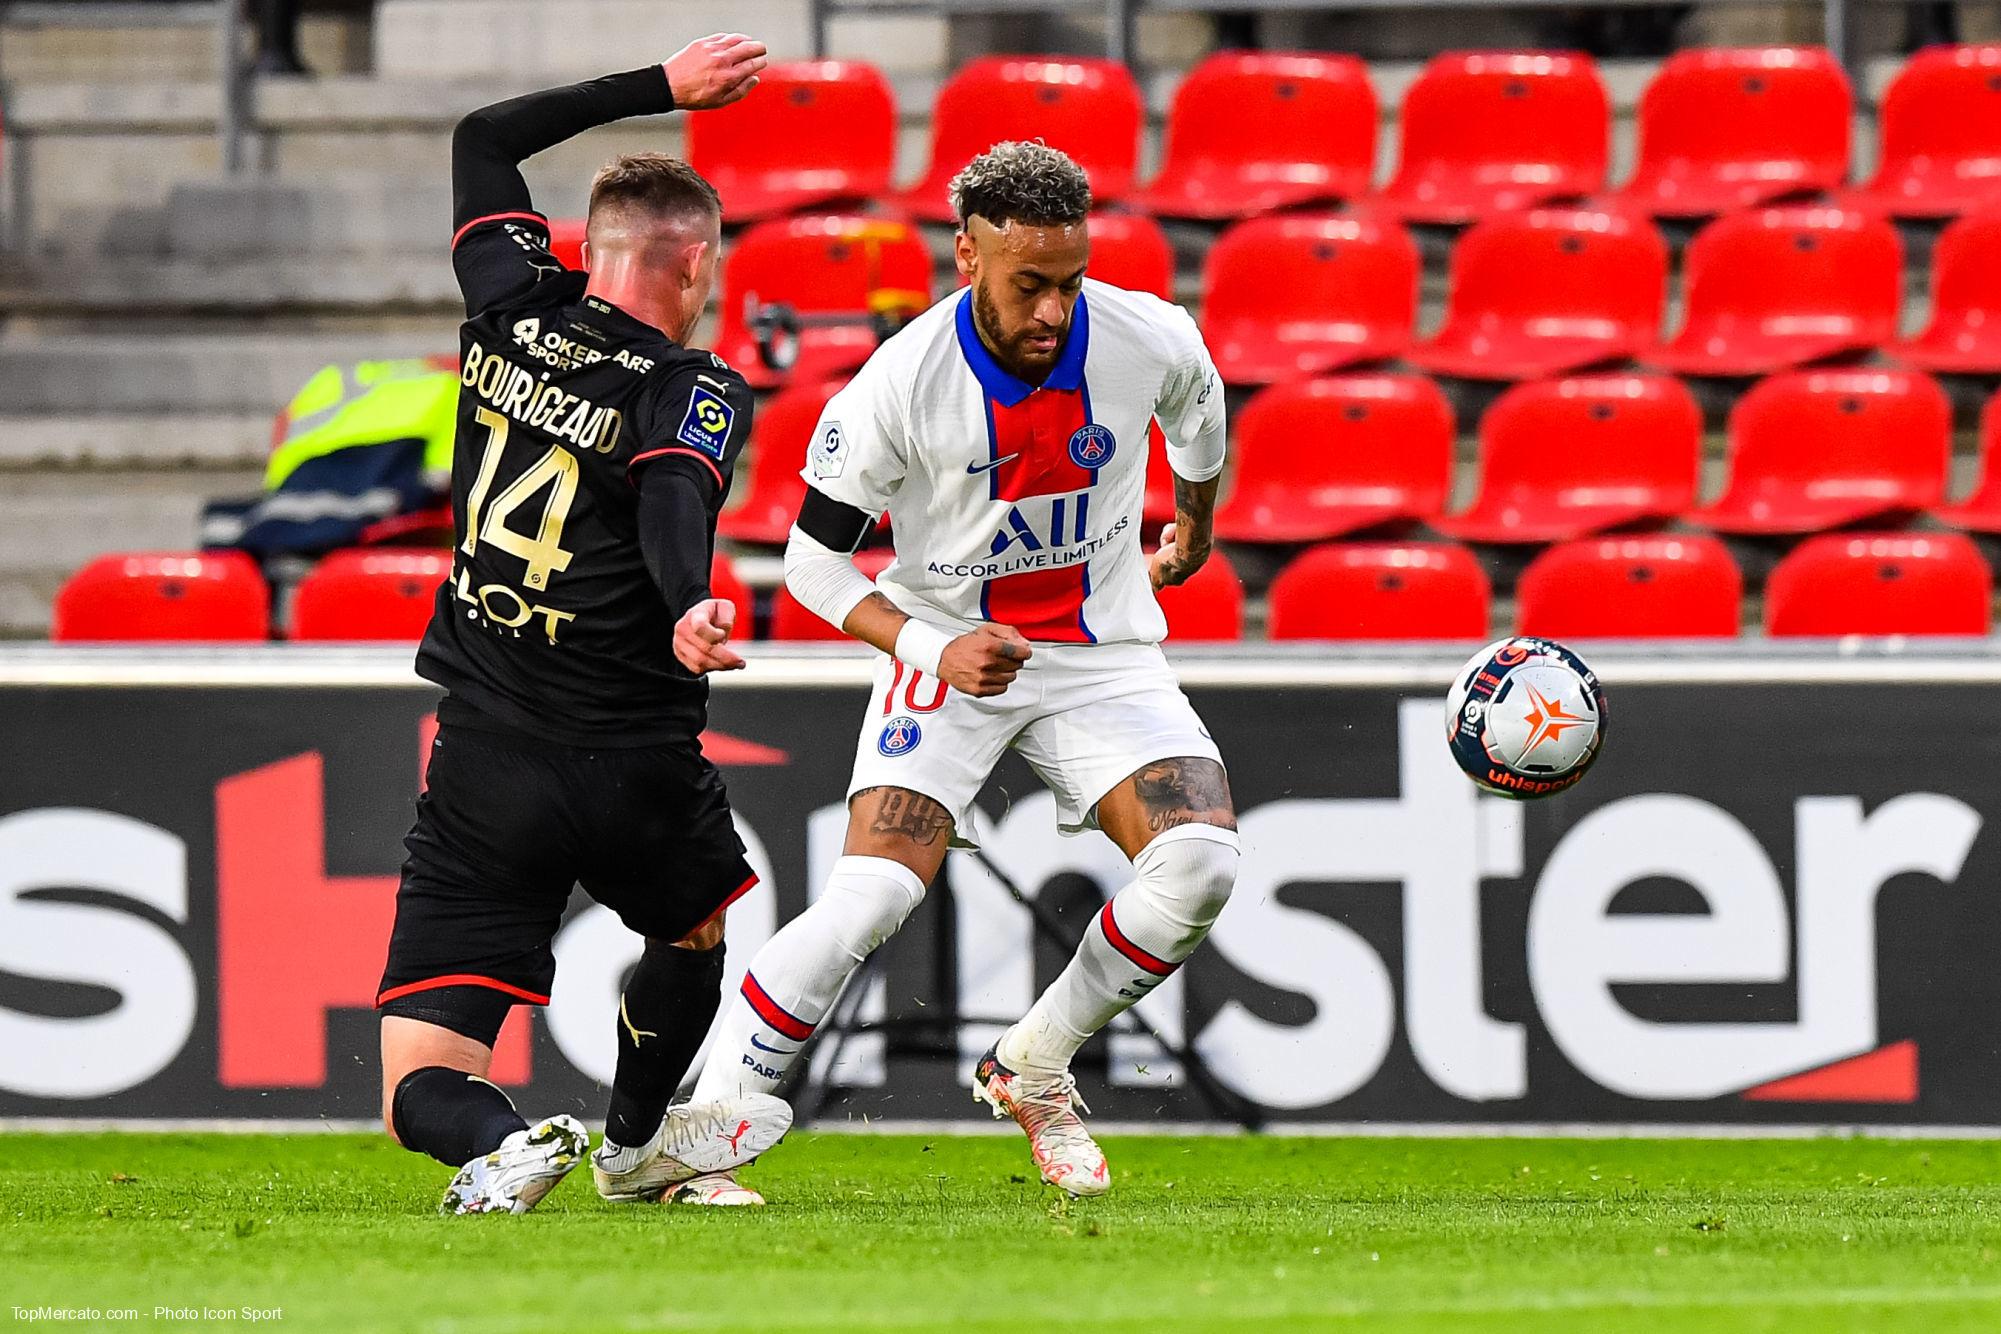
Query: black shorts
x=508, y=825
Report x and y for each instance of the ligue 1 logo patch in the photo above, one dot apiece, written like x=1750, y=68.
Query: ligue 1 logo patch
x=707, y=424
x=1092, y=446
x=900, y=736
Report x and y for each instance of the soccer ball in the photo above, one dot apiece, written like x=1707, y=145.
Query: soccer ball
x=1525, y=718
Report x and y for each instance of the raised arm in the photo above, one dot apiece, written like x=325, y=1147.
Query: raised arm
x=490, y=144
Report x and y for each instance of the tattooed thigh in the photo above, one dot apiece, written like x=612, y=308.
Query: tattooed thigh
x=898, y=813
x=1184, y=790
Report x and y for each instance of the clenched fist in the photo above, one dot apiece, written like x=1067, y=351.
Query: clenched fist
x=701, y=637
x=714, y=71
x=984, y=661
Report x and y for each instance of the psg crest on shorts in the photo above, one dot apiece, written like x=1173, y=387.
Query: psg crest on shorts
x=1092, y=446
x=900, y=736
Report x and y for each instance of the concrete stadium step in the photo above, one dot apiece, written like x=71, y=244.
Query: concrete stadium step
x=260, y=215
x=134, y=440
x=247, y=372
x=418, y=283
x=47, y=41
x=52, y=522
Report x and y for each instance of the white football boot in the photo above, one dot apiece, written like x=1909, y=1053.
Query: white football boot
x=716, y=1190
x=514, y=1177
x=697, y=1139
x=1047, y=1110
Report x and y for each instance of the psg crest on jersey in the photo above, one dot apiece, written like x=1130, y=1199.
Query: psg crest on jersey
x=1091, y=447
x=900, y=736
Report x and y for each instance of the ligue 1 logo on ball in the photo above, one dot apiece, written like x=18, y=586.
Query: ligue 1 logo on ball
x=1091, y=447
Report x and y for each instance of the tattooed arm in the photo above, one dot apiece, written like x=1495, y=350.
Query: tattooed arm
x=1185, y=543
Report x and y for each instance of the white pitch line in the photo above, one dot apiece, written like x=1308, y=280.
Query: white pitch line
x=56, y=1125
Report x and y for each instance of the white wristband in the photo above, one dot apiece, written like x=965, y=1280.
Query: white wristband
x=921, y=645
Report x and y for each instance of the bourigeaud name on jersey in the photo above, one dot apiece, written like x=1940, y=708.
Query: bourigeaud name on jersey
x=527, y=397
x=1043, y=533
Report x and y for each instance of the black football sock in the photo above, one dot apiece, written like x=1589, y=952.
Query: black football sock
x=662, y=1018
x=451, y=1115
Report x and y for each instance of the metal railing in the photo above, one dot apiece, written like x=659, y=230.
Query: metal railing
x=233, y=80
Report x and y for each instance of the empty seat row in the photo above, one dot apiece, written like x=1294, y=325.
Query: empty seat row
x=1612, y=588
x=1664, y=587
x=1558, y=290
x=1559, y=459
x=1480, y=132
x=1532, y=294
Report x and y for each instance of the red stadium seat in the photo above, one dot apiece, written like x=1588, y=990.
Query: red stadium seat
x=1493, y=131
x=378, y=593
x=566, y=242
x=1980, y=512
x=1941, y=130
x=790, y=619
x=1290, y=296
x=1252, y=132
x=1547, y=293
x=209, y=596
x=1729, y=128
x=1881, y=584
x=1323, y=458
x=1963, y=335
x=1209, y=607
x=829, y=262
x=1781, y=287
x=780, y=434
x=815, y=134
x=1368, y=591
x=1562, y=459
x=1091, y=109
x=1823, y=449
x=1664, y=587
x=1131, y=251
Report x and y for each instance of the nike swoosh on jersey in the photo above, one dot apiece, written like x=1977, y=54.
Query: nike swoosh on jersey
x=775, y=1051
x=976, y=469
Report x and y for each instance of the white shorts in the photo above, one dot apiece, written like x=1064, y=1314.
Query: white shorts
x=1084, y=716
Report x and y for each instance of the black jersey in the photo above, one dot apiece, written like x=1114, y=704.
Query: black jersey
x=550, y=623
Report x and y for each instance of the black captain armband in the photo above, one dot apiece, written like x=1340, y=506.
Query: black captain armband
x=834, y=524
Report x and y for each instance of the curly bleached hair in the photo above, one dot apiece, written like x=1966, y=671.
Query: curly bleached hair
x=1022, y=181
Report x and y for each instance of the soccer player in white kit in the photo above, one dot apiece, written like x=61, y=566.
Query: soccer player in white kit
x=1005, y=432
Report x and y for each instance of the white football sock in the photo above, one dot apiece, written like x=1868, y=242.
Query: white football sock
x=793, y=981
x=1134, y=945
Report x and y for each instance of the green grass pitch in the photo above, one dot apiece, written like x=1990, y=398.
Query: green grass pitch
x=952, y=1233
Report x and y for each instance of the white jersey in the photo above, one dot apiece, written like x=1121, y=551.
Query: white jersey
x=1020, y=503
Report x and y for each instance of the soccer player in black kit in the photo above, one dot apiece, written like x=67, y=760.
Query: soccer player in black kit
x=593, y=454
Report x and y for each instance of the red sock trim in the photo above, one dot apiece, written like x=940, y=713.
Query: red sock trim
x=459, y=980
x=769, y=1010
x=1118, y=940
